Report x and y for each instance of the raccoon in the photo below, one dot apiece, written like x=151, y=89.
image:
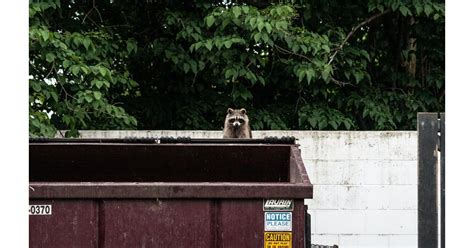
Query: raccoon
x=237, y=124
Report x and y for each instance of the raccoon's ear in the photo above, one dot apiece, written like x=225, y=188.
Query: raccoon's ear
x=243, y=111
x=230, y=111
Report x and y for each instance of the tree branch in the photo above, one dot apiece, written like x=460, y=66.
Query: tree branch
x=354, y=29
x=283, y=50
x=340, y=83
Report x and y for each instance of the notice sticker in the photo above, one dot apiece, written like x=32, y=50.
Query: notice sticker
x=278, y=221
x=277, y=240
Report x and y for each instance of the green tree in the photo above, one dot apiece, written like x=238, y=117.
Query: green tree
x=77, y=73
x=322, y=65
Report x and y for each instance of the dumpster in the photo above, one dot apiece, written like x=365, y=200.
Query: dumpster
x=168, y=192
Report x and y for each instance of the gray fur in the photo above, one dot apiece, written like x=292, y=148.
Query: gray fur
x=237, y=124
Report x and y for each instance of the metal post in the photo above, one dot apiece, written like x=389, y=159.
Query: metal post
x=427, y=180
x=442, y=171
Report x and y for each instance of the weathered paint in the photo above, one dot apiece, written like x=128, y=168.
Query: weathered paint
x=176, y=223
x=102, y=195
x=73, y=223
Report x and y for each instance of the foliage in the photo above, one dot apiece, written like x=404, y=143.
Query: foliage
x=323, y=65
x=76, y=77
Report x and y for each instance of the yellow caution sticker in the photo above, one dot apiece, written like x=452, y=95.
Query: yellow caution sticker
x=277, y=240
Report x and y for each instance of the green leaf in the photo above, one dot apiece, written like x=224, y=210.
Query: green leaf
x=439, y=84
x=186, y=67
x=209, y=21
x=36, y=86
x=228, y=44
x=245, y=9
x=365, y=54
x=265, y=37
x=237, y=11
x=304, y=48
x=326, y=48
x=133, y=121
x=347, y=124
x=54, y=95
x=208, y=45
x=260, y=26
x=326, y=72
x=218, y=43
x=323, y=124
x=85, y=70
x=252, y=22
x=279, y=11
x=301, y=74
x=97, y=95
x=97, y=83
x=88, y=98
x=419, y=8
x=45, y=35
x=66, y=64
x=50, y=57
x=75, y=70
x=428, y=9
x=333, y=124
x=310, y=74
x=404, y=10
x=268, y=27
x=358, y=76
x=365, y=112
x=109, y=109
x=86, y=42
x=257, y=37
x=202, y=65
x=193, y=66
x=131, y=46
x=312, y=121
x=228, y=73
x=102, y=71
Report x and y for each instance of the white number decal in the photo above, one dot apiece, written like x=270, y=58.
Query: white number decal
x=40, y=210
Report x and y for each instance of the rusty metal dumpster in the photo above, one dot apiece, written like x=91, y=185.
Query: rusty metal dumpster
x=146, y=193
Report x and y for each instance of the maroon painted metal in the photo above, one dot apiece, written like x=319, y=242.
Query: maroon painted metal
x=73, y=223
x=162, y=195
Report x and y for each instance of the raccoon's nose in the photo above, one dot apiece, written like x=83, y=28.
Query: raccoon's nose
x=236, y=124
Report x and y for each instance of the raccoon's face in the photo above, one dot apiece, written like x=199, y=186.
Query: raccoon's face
x=236, y=117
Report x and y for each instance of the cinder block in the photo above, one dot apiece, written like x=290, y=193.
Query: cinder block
x=403, y=241
x=362, y=172
x=364, y=241
x=391, y=222
x=336, y=173
x=391, y=172
x=337, y=221
x=344, y=145
x=325, y=239
x=365, y=197
x=367, y=222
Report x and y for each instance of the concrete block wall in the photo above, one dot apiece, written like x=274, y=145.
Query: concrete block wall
x=365, y=183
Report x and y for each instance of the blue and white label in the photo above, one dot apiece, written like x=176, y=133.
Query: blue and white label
x=278, y=221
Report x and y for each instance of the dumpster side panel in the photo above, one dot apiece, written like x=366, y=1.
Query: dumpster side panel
x=299, y=224
x=156, y=223
x=72, y=223
x=240, y=223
